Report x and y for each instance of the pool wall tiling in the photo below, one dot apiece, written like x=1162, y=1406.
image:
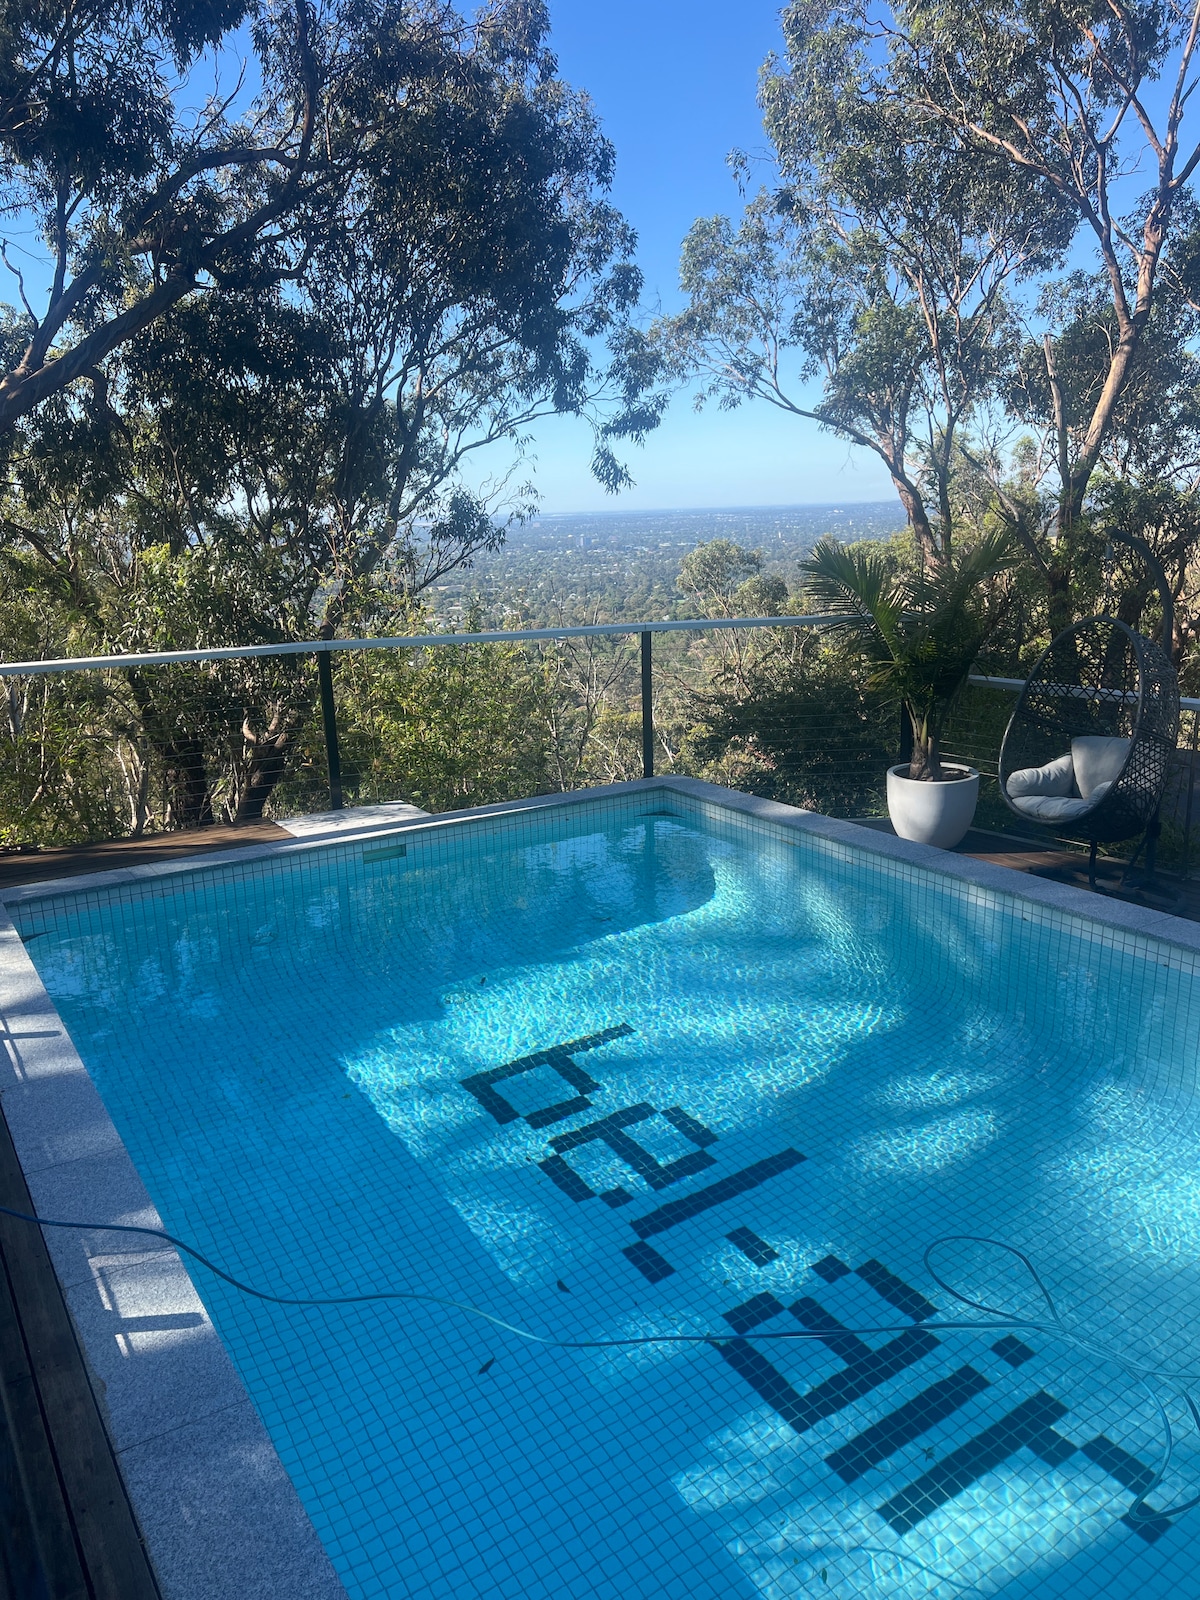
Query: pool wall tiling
x=218, y=1512
x=221, y=1514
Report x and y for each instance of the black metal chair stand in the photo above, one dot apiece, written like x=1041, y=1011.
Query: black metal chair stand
x=1089, y=744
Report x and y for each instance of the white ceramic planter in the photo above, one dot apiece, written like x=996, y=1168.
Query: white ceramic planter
x=932, y=813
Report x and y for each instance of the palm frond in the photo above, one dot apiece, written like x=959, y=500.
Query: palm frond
x=860, y=586
x=949, y=585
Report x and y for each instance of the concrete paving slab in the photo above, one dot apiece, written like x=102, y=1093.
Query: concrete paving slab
x=354, y=819
x=157, y=1359
x=221, y=1516
x=106, y=1188
x=58, y=1117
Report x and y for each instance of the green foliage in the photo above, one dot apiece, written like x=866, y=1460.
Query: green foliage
x=879, y=262
x=807, y=731
x=920, y=631
x=67, y=760
x=724, y=579
x=390, y=146
x=279, y=445
x=934, y=166
x=1061, y=103
x=451, y=727
x=1153, y=432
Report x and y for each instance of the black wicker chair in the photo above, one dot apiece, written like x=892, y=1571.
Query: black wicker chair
x=1101, y=683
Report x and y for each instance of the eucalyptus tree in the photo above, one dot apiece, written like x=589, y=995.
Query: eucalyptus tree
x=1150, y=451
x=1090, y=100
x=473, y=279
x=120, y=197
x=123, y=196
x=286, y=449
x=878, y=262
x=1091, y=103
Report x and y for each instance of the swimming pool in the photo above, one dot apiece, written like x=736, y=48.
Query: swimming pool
x=646, y=1066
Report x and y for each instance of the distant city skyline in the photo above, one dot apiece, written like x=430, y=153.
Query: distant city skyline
x=674, y=83
x=616, y=508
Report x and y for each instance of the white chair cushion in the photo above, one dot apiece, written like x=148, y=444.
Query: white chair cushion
x=1097, y=761
x=1055, y=808
x=1055, y=778
x=1050, y=807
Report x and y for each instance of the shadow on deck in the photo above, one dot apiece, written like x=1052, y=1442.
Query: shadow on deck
x=1180, y=897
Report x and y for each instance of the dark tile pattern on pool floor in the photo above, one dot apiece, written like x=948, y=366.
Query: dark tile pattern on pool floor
x=360, y=1146
x=1029, y=1426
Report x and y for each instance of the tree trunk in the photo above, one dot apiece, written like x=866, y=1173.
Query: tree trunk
x=269, y=754
x=184, y=759
x=186, y=769
x=918, y=518
x=925, y=763
x=1060, y=598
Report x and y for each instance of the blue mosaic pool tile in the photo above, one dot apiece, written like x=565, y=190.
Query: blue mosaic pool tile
x=716, y=1194
x=335, y=1078
x=970, y=1461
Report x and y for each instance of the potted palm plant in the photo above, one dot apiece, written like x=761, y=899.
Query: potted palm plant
x=921, y=633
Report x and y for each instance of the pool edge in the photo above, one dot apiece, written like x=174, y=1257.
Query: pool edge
x=1046, y=893
x=1063, y=898
x=218, y=1512
x=63, y=1134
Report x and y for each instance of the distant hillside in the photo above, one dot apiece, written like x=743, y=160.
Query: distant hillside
x=622, y=564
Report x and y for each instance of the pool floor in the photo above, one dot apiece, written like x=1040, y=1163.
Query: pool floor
x=650, y=1072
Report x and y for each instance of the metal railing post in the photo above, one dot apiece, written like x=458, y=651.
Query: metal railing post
x=647, y=706
x=333, y=756
x=1191, y=782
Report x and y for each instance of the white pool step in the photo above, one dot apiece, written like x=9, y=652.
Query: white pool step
x=353, y=819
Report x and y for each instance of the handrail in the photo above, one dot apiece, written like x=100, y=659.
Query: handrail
x=415, y=641
x=1015, y=685
x=323, y=648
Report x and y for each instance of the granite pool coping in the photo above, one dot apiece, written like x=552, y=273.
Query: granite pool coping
x=219, y=1514
x=1064, y=898
x=220, y=1518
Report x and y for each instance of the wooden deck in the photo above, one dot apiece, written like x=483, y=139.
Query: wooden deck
x=67, y=1531
x=36, y=866
x=1180, y=898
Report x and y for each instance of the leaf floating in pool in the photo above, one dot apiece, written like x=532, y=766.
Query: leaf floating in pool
x=563, y=1287
x=490, y=1362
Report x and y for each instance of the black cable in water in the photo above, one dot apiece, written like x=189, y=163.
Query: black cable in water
x=1054, y=1329
x=380, y=1296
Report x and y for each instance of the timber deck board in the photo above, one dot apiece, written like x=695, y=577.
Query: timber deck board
x=1179, y=897
x=69, y=1532
x=72, y=860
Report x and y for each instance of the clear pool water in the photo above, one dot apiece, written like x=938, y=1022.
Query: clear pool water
x=764, y=1073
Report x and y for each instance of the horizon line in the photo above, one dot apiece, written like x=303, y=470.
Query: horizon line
x=662, y=511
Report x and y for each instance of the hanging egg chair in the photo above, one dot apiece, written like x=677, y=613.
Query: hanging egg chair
x=1090, y=741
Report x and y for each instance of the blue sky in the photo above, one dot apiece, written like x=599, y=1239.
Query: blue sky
x=674, y=82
